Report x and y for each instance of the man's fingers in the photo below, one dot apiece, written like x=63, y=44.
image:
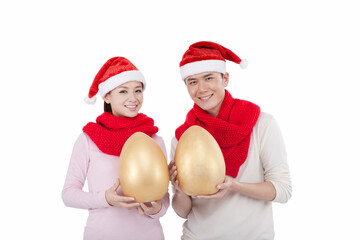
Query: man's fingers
x=173, y=176
x=171, y=164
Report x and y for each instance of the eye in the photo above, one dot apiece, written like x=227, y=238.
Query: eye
x=123, y=91
x=191, y=82
x=208, y=78
x=138, y=91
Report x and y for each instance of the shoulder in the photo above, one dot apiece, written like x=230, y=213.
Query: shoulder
x=264, y=119
x=82, y=141
x=265, y=123
x=267, y=129
x=81, y=146
x=85, y=142
x=83, y=138
x=160, y=141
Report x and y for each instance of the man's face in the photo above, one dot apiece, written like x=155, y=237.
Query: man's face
x=207, y=90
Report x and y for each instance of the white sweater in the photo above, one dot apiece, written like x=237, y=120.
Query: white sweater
x=236, y=216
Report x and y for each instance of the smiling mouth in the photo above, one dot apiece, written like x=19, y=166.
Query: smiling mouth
x=205, y=98
x=131, y=107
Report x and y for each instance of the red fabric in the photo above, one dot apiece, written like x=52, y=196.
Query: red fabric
x=112, y=67
x=208, y=51
x=110, y=133
x=231, y=129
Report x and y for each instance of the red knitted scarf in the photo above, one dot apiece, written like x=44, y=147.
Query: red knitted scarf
x=231, y=129
x=110, y=133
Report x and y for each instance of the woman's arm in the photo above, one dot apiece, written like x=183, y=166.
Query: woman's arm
x=72, y=193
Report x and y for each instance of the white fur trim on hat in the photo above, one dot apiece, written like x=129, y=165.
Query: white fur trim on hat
x=244, y=63
x=117, y=80
x=90, y=100
x=202, y=66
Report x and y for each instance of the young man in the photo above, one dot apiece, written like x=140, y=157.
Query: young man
x=257, y=172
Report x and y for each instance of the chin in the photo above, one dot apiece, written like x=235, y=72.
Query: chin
x=132, y=115
x=126, y=114
x=205, y=106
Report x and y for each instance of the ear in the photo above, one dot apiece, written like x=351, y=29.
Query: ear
x=107, y=98
x=226, y=79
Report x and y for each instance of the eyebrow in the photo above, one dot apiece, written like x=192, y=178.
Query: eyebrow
x=190, y=79
x=205, y=76
x=122, y=87
x=128, y=88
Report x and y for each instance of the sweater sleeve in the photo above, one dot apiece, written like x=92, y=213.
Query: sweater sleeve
x=274, y=159
x=165, y=201
x=174, y=143
x=72, y=193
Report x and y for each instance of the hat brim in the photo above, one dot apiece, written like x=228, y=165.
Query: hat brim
x=117, y=80
x=202, y=66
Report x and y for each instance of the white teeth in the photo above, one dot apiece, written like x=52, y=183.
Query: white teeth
x=130, y=106
x=205, y=98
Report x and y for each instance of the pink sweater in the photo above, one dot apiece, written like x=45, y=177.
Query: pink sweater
x=101, y=171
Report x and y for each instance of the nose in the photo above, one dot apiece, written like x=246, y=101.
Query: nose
x=132, y=97
x=202, y=86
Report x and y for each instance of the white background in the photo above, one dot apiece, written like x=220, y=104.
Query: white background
x=304, y=70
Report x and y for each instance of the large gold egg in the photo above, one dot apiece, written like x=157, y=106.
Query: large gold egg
x=199, y=162
x=143, y=170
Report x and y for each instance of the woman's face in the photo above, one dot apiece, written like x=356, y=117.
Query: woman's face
x=207, y=90
x=126, y=100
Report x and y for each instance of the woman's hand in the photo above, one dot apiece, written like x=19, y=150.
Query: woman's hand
x=150, y=208
x=223, y=189
x=117, y=200
x=173, y=174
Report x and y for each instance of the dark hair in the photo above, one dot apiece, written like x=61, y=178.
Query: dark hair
x=107, y=107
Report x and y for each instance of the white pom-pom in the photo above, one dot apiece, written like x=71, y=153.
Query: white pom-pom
x=244, y=63
x=90, y=100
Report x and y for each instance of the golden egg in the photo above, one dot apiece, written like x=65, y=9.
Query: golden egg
x=143, y=170
x=199, y=162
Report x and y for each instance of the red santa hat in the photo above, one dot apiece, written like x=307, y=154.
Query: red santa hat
x=113, y=73
x=207, y=57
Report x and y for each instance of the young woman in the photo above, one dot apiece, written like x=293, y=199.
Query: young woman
x=257, y=172
x=96, y=154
